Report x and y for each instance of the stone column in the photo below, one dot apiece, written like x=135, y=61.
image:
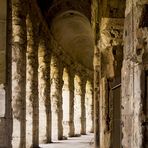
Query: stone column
x=44, y=93
x=83, y=109
x=32, y=102
x=95, y=19
x=111, y=32
x=56, y=98
x=71, y=103
x=97, y=75
x=134, y=117
x=60, y=113
x=19, y=46
x=105, y=126
x=77, y=105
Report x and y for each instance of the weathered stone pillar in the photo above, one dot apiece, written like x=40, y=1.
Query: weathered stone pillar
x=111, y=32
x=97, y=75
x=66, y=103
x=32, y=102
x=83, y=109
x=71, y=101
x=134, y=117
x=105, y=126
x=44, y=93
x=95, y=20
x=19, y=46
x=60, y=113
x=77, y=105
x=89, y=107
x=56, y=98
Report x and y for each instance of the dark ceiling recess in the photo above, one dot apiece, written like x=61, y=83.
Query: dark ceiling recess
x=44, y=4
x=51, y=8
x=144, y=18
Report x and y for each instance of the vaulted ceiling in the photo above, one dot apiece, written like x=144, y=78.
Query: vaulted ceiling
x=69, y=22
x=51, y=8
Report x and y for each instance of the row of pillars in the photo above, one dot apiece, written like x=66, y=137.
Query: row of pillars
x=49, y=101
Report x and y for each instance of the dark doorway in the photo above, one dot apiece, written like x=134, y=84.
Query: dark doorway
x=116, y=126
x=145, y=105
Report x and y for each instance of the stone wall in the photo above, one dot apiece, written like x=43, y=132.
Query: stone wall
x=134, y=66
x=111, y=33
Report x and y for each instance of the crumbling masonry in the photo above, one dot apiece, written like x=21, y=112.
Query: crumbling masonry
x=68, y=68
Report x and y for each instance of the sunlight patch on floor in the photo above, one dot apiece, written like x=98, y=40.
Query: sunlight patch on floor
x=85, y=141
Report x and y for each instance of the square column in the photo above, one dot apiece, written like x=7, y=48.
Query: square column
x=32, y=101
x=19, y=46
x=71, y=102
x=56, y=98
x=44, y=56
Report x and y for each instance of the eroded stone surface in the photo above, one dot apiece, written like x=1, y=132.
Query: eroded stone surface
x=134, y=65
x=107, y=23
x=111, y=33
x=19, y=36
x=32, y=100
x=56, y=98
x=71, y=89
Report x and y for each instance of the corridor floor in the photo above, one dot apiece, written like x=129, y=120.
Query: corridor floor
x=85, y=141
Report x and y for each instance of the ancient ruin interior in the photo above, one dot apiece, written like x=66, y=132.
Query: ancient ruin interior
x=74, y=73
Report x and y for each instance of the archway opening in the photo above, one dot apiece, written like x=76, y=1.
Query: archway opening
x=89, y=107
x=66, y=104
x=77, y=106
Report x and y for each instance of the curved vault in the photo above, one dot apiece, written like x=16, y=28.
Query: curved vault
x=73, y=32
